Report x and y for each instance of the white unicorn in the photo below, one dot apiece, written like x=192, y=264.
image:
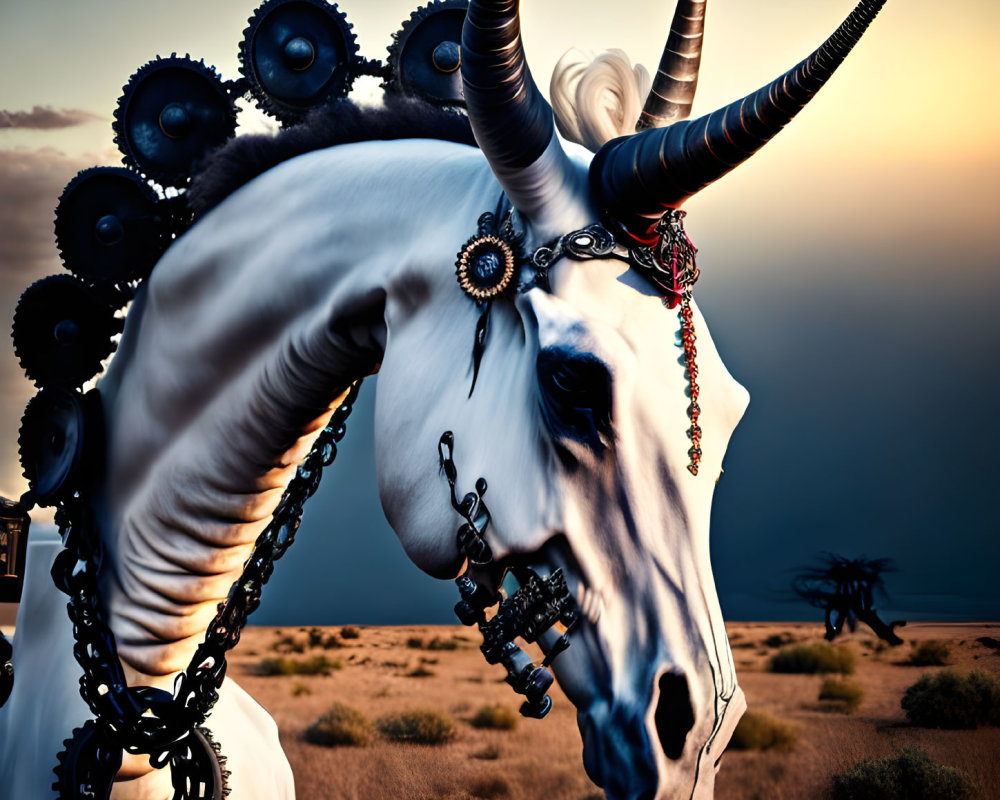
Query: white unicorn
x=560, y=367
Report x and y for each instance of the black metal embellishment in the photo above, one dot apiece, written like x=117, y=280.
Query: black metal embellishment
x=6, y=669
x=426, y=53
x=538, y=605
x=148, y=721
x=669, y=264
x=485, y=269
x=671, y=267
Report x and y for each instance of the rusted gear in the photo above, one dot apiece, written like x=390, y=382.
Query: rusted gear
x=297, y=55
x=172, y=112
x=425, y=54
x=109, y=228
x=62, y=331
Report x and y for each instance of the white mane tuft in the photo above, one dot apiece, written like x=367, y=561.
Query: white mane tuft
x=597, y=98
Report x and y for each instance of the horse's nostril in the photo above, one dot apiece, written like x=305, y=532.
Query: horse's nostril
x=674, y=715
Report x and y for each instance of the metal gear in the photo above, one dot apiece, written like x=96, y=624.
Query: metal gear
x=198, y=768
x=296, y=55
x=425, y=54
x=54, y=441
x=87, y=764
x=62, y=331
x=6, y=669
x=171, y=113
x=108, y=227
x=91, y=758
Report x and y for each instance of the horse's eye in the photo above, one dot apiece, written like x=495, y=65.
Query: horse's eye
x=575, y=396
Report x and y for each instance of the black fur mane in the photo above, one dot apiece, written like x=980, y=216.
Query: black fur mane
x=341, y=121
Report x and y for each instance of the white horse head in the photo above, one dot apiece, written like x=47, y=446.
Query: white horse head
x=598, y=431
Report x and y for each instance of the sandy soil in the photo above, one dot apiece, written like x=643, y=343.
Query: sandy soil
x=541, y=759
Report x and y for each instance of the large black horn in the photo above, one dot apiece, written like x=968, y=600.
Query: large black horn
x=512, y=121
x=676, y=79
x=637, y=178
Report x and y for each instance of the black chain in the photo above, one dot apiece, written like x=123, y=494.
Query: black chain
x=144, y=720
x=533, y=609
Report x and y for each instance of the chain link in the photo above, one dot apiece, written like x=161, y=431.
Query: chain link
x=143, y=719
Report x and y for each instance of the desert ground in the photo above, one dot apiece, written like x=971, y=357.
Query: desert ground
x=381, y=671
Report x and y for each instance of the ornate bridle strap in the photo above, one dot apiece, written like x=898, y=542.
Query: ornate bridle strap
x=669, y=264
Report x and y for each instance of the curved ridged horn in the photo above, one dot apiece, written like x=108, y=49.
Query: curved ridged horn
x=676, y=80
x=510, y=118
x=636, y=178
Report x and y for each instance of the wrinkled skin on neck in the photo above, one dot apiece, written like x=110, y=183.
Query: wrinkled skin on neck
x=255, y=321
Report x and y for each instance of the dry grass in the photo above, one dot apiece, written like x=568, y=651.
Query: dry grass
x=758, y=730
x=497, y=718
x=542, y=758
x=422, y=726
x=908, y=775
x=341, y=725
x=317, y=665
x=814, y=658
x=929, y=653
x=843, y=694
x=951, y=700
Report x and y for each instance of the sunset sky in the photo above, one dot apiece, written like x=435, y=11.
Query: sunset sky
x=849, y=273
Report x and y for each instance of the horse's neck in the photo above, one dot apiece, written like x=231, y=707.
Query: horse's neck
x=252, y=325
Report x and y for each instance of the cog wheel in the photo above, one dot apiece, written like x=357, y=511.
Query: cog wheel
x=296, y=55
x=62, y=331
x=425, y=54
x=87, y=765
x=198, y=768
x=57, y=430
x=6, y=669
x=171, y=113
x=108, y=227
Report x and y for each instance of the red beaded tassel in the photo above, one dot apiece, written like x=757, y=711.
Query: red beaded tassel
x=677, y=274
x=690, y=353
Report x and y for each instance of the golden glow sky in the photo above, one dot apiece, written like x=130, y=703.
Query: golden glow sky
x=896, y=160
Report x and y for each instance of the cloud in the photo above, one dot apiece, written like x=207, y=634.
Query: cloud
x=43, y=118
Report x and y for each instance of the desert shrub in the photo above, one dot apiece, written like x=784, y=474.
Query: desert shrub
x=950, y=700
x=299, y=689
x=928, y=654
x=288, y=644
x=491, y=753
x=490, y=787
x=908, y=775
x=847, y=694
x=350, y=632
x=777, y=640
x=315, y=637
x=340, y=725
x=437, y=643
x=317, y=665
x=496, y=718
x=813, y=658
x=759, y=731
x=332, y=642
x=423, y=726
x=415, y=643
x=420, y=672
